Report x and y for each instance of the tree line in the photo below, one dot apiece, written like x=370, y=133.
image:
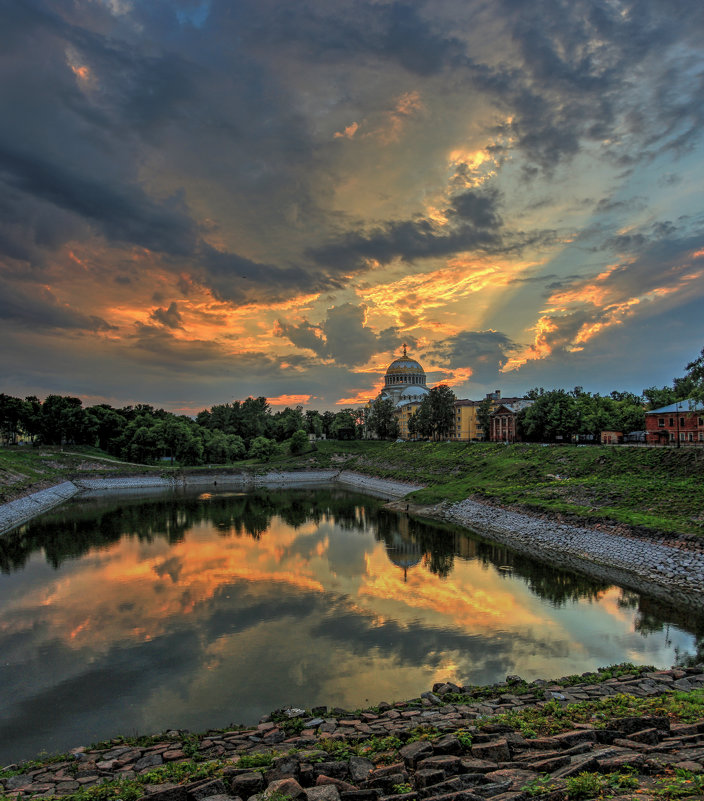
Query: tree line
x=141, y=433
x=249, y=429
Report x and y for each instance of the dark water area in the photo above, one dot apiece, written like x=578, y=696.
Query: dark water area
x=124, y=615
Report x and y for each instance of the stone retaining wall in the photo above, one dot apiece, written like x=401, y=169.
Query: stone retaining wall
x=674, y=574
x=16, y=512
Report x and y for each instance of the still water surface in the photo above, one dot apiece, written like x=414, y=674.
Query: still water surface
x=132, y=615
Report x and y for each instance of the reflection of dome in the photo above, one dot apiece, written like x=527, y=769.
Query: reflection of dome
x=405, y=381
x=403, y=552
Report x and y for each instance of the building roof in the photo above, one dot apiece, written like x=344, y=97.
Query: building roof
x=688, y=405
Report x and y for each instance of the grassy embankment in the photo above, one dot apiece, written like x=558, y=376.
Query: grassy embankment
x=658, y=489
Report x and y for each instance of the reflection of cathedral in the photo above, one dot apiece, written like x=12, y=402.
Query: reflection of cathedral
x=402, y=549
x=405, y=386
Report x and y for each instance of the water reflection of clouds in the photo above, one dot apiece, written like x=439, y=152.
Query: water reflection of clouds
x=218, y=628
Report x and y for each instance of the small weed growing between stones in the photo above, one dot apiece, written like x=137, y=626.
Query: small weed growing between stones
x=179, y=771
x=585, y=785
x=541, y=785
x=681, y=784
x=465, y=738
x=256, y=761
x=339, y=750
x=400, y=789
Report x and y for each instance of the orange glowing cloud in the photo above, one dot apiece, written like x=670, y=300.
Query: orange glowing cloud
x=81, y=72
x=604, y=294
x=459, y=376
x=290, y=400
x=364, y=395
x=348, y=132
x=390, y=131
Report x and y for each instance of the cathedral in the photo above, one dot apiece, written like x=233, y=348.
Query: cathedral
x=405, y=386
x=405, y=381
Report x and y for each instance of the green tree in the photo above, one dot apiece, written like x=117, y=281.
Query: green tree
x=177, y=439
x=553, y=416
x=657, y=397
x=442, y=410
x=314, y=422
x=10, y=418
x=328, y=419
x=299, y=441
x=63, y=421
x=31, y=416
x=695, y=375
x=484, y=417
x=344, y=426
x=287, y=422
x=255, y=418
x=109, y=425
x=381, y=419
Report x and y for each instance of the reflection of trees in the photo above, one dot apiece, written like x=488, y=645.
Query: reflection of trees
x=554, y=584
x=654, y=616
x=99, y=523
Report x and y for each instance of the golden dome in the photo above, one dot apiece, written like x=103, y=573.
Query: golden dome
x=404, y=365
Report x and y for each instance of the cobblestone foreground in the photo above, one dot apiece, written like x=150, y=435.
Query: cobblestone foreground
x=429, y=748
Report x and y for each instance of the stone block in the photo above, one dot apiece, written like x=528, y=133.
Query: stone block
x=414, y=752
x=323, y=792
x=494, y=751
x=450, y=765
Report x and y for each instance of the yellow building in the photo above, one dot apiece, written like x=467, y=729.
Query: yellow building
x=466, y=423
x=466, y=426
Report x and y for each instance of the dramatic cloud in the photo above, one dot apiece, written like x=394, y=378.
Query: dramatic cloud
x=483, y=352
x=502, y=186
x=342, y=336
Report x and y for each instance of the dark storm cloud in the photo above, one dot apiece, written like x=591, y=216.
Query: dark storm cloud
x=475, y=225
x=209, y=96
x=170, y=317
x=343, y=336
x=575, y=79
x=38, y=308
x=485, y=352
x=124, y=214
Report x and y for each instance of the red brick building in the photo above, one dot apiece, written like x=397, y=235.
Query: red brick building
x=681, y=422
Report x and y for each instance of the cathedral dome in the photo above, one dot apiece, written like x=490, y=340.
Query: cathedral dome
x=404, y=365
x=404, y=371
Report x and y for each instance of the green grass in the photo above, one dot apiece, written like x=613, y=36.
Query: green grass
x=553, y=718
x=651, y=488
x=654, y=489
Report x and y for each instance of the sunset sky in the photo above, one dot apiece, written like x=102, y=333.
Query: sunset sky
x=202, y=200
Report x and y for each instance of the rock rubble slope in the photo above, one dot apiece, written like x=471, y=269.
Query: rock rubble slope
x=627, y=734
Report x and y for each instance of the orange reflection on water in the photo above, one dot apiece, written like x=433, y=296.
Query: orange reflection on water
x=469, y=598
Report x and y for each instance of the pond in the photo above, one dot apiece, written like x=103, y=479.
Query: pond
x=127, y=615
